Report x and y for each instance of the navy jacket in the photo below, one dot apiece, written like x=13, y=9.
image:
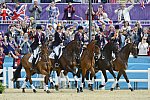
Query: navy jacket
x=35, y=44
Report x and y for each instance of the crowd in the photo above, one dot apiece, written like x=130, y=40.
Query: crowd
x=75, y=1
x=19, y=36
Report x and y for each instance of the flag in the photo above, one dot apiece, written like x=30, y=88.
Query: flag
x=4, y=14
x=108, y=21
x=19, y=14
x=142, y=4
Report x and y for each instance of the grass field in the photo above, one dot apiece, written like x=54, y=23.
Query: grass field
x=69, y=94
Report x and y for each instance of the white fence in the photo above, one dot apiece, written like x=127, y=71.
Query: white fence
x=4, y=76
x=10, y=75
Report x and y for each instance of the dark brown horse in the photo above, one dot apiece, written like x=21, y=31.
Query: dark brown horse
x=43, y=66
x=120, y=64
x=104, y=63
x=68, y=61
x=88, y=61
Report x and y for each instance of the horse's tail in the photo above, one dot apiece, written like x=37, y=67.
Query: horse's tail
x=17, y=73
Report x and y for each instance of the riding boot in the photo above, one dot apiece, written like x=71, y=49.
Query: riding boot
x=56, y=61
x=33, y=63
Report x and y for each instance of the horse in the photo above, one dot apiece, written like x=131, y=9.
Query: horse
x=87, y=63
x=68, y=61
x=43, y=67
x=120, y=64
x=104, y=63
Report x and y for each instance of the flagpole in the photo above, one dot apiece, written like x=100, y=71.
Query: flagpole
x=90, y=19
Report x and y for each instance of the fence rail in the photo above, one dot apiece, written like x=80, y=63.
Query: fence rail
x=3, y=78
x=11, y=70
x=143, y=22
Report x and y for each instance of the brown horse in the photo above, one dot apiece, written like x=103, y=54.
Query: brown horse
x=88, y=61
x=104, y=63
x=120, y=64
x=43, y=66
x=68, y=61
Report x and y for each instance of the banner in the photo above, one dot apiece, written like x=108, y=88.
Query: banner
x=136, y=13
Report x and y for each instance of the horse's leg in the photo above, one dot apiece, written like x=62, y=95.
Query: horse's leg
x=24, y=85
x=29, y=73
x=118, y=77
x=127, y=80
x=46, y=78
x=113, y=74
x=83, y=77
x=92, y=78
x=57, y=80
x=105, y=76
x=67, y=78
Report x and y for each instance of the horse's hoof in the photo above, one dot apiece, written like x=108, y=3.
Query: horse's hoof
x=68, y=86
x=48, y=91
x=23, y=90
x=81, y=89
x=78, y=91
x=118, y=88
x=57, y=87
x=91, y=87
x=100, y=86
x=34, y=91
x=111, y=89
x=131, y=89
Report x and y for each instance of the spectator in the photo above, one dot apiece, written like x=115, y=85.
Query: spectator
x=68, y=12
x=126, y=26
x=49, y=31
x=32, y=23
x=123, y=12
x=143, y=46
x=100, y=12
x=2, y=57
x=53, y=13
x=25, y=45
x=5, y=12
x=35, y=10
x=135, y=36
x=16, y=62
x=145, y=32
x=87, y=13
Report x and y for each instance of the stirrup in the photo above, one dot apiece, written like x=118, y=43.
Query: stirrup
x=56, y=65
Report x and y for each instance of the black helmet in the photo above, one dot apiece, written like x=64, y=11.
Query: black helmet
x=80, y=27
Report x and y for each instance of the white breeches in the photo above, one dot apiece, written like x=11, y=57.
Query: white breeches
x=35, y=52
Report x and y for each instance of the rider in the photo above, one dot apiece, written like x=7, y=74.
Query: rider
x=39, y=39
x=58, y=43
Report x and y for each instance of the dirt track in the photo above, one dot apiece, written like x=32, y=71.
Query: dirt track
x=69, y=94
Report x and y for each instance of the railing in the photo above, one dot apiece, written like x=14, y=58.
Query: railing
x=143, y=22
x=4, y=76
x=10, y=75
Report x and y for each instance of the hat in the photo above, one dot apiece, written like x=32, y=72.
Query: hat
x=80, y=27
x=38, y=27
x=31, y=18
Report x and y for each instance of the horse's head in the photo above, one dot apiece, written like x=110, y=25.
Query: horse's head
x=44, y=53
x=114, y=46
x=134, y=49
x=97, y=52
x=93, y=48
x=77, y=50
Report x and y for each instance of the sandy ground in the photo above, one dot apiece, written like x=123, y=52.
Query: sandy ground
x=69, y=94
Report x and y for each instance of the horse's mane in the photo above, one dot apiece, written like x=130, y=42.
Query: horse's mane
x=125, y=47
x=91, y=44
x=107, y=45
x=70, y=44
